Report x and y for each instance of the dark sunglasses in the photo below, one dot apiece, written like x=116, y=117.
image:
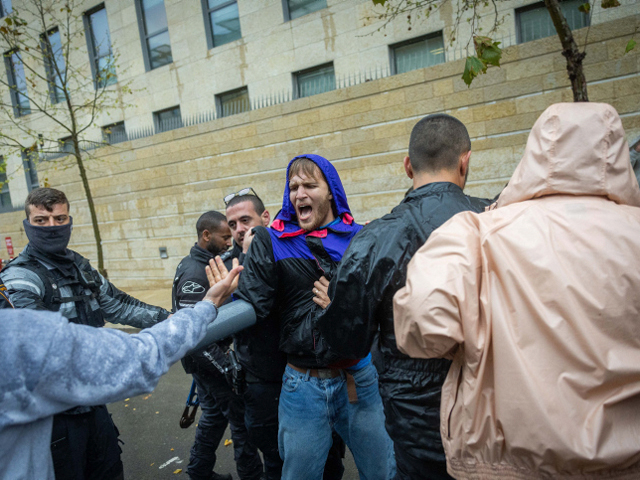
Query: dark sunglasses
x=241, y=193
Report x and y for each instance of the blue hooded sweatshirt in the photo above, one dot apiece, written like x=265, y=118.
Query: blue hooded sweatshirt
x=283, y=263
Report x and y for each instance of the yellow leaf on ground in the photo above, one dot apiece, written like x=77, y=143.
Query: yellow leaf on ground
x=157, y=413
x=172, y=449
x=126, y=404
x=228, y=442
x=178, y=471
x=126, y=399
x=152, y=464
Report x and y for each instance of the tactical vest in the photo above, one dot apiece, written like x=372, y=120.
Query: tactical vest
x=85, y=287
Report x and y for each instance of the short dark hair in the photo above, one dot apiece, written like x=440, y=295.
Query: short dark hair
x=436, y=143
x=209, y=221
x=258, y=206
x=46, y=198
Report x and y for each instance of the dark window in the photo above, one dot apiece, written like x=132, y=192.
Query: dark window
x=5, y=8
x=230, y=103
x=534, y=22
x=221, y=21
x=114, y=133
x=5, y=196
x=66, y=145
x=417, y=53
x=315, y=80
x=99, y=46
x=54, y=64
x=168, y=119
x=154, y=30
x=298, y=8
x=30, y=171
x=18, y=84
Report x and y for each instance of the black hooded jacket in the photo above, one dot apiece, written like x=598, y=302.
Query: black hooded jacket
x=372, y=270
x=190, y=285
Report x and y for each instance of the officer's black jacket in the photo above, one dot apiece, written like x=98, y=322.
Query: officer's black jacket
x=190, y=285
x=257, y=347
x=372, y=270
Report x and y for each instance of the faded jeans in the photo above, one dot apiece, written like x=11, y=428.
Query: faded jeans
x=311, y=408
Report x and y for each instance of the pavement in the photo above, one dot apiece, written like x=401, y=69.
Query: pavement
x=155, y=447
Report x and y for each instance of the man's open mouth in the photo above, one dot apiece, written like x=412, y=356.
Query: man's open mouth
x=304, y=212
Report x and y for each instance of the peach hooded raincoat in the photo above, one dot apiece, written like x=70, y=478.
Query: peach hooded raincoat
x=538, y=304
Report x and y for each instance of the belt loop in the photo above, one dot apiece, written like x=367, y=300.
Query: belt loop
x=307, y=375
x=351, y=388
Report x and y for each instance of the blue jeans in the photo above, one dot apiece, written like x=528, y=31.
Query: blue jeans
x=311, y=408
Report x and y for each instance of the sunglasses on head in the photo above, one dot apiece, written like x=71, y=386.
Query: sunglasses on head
x=240, y=193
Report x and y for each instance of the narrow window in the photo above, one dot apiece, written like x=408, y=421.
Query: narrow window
x=298, y=8
x=5, y=8
x=66, y=145
x=18, y=84
x=54, y=64
x=5, y=196
x=99, y=46
x=417, y=53
x=315, y=80
x=222, y=22
x=114, y=133
x=30, y=171
x=167, y=119
x=154, y=30
x=231, y=103
x=534, y=22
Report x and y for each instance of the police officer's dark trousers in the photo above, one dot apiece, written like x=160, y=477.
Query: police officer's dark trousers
x=85, y=446
x=220, y=406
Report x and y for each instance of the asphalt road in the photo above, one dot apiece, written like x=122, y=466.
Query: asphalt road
x=155, y=447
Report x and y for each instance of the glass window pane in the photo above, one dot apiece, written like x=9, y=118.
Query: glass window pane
x=159, y=50
x=5, y=7
x=216, y=3
x=155, y=16
x=20, y=84
x=30, y=171
x=168, y=119
x=100, y=33
x=536, y=23
x=234, y=102
x=225, y=24
x=316, y=81
x=298, y=8
x=56, y=67
x=106, y=71
x=5, y=196
x=419, y=54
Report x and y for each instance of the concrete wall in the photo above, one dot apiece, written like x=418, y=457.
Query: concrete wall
x=150, y=192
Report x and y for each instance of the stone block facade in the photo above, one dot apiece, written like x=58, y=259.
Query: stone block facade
x=150, y=192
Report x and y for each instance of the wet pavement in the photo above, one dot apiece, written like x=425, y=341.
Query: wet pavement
x=154, y=444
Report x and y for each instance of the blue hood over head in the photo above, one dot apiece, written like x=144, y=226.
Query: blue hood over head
x=286, y=220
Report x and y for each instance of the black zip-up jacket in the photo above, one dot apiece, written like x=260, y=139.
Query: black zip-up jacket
x=190, y=285
x=372, y=270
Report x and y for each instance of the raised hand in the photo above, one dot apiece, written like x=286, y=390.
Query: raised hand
x=222, y=282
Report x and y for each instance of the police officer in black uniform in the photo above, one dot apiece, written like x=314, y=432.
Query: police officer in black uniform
x=48, y=276
x=220, y=405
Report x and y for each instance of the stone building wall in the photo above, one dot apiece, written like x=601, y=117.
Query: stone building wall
x=150, y=192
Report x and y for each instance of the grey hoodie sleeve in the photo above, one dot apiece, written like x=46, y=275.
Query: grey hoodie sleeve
x=48, y=365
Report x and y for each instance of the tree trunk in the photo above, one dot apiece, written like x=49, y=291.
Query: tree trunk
x=570, y=51
x=92, y=209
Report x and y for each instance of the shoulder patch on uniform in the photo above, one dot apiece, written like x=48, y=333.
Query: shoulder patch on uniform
x=192, y=287
x=226, y=255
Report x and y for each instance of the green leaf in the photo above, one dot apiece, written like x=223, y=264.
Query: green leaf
x=379, y=2
x=631, y=44
x=9, y=21
x=472, y=68
x=585, y=8
x=489, y=52
x=610, y=3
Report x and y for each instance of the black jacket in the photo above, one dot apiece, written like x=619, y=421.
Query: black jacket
x=76, y=290
x=190, y=285
x=372, y=270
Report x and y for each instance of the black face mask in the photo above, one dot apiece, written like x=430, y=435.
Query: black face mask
x=49, y=240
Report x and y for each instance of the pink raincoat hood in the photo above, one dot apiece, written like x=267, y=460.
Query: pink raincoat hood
x=556, y=160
